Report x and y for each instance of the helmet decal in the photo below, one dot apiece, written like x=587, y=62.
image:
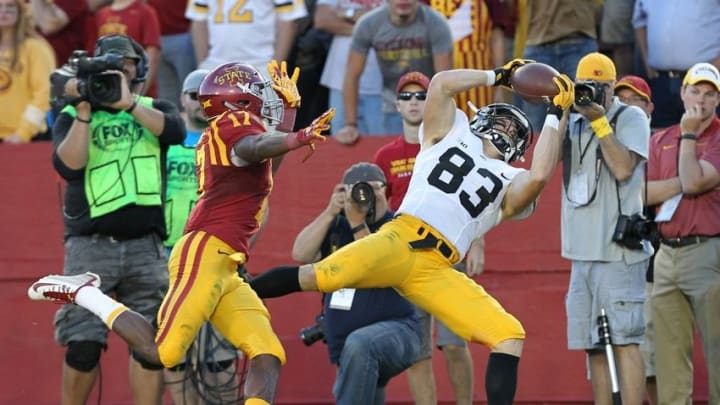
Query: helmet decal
x=239, y=87
x=506, y=127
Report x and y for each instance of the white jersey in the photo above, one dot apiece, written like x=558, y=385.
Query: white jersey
x=455, y=188
x=242, y=30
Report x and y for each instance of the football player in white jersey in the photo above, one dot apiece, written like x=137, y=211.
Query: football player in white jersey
x=462, y=186
x=253, y=32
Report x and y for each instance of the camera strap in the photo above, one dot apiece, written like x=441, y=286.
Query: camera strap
x=567, y=156
x=613, y=121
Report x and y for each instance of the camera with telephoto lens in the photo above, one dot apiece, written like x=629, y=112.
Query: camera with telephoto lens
x=588, y=92
x=363, y=194
x=313, y=333
x=95, y=84
x=630, y=231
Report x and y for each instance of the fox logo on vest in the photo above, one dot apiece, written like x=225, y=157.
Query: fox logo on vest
x=116, y=135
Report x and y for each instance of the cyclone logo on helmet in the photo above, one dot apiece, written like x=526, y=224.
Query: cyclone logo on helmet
x=239, y=87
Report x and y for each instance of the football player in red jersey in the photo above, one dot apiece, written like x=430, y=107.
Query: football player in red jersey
x=234, y=166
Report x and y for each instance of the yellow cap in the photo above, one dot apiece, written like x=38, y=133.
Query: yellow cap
x=703, y=72
x=596, y=66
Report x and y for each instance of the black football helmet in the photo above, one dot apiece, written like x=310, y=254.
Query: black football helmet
x=506, y=127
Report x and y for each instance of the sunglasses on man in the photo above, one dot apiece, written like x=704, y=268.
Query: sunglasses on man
x=407, y=95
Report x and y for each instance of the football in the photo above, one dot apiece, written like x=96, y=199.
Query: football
x=533, y=82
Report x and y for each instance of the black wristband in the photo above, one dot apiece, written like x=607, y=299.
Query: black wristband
x=691, y=137
x=351, y=124
x=130, y=109
x=87, y=121
x=358, y=228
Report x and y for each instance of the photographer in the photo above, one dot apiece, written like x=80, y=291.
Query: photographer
x=110, y=147
x=602, y=227
x=372, y=334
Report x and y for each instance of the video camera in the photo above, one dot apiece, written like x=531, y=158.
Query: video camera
x=631, y=230
x=588, y=92
x=313, y=333
x=95, y=84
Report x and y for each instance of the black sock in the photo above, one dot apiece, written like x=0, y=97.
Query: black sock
x=501, y=378
x=277, y=282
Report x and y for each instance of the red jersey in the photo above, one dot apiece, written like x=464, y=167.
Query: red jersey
x=397, y=159
x=693, y=214
x=231, y=198
x=172, y=16
x=72, y=36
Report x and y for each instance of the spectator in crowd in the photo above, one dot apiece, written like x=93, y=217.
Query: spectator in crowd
x=683, y=178
x=671, y=36
x=114, y=223
x=247, y=120
x=224, y=31
x=26, y=61
x=478, y=42
x=177, y=58
x=634, y=90
x=406, y=36
x=62, y=23
x=139, y=21
x=339, y=17
x=372, y=335
x=603, y=183
x=309, y=53
x=617, y=37
x=415, y=257
x=559, y=33
x=397, y=160
x=210, y=361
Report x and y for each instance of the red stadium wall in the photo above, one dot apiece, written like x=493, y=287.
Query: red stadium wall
x=524, y=271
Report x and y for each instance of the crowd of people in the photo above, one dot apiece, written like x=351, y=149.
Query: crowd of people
x=160, y=216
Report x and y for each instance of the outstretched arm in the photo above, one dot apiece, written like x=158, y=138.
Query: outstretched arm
x=253, y=149
x=526, y=186
x=440, y=106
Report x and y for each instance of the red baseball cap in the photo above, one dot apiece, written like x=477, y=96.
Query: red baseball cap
x=413, y=77
x=636, y=84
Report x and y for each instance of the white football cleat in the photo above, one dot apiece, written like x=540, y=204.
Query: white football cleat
x=61, y=289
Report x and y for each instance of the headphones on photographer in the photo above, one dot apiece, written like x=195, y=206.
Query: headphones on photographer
x=141, y=65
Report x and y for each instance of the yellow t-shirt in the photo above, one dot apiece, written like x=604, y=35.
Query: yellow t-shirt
x=25, y=90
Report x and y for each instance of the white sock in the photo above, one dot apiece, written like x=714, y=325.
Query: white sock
x=95, y=301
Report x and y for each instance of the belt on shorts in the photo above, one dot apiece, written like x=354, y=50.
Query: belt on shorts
x=672, y=73
x=685, y=240
x=431, y=241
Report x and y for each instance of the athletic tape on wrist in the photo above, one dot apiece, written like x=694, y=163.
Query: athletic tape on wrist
x=490, y=77
x=552, y=121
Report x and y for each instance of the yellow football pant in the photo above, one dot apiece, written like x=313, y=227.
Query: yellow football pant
x=423, y=276
x=204, y=285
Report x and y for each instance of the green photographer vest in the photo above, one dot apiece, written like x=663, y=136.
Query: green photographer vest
x=180, y=189
x=123, y=162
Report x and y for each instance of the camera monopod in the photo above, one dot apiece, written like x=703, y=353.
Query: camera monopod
x=604, y=335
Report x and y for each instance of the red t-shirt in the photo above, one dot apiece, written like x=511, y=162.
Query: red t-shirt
x=696, y=214
x=231, y=198
x=72, y=36
x=397, y=159
x=172, y=16
x=139, y=21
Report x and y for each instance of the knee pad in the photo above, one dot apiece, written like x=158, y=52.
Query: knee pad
x=147, y=365
x=84, y=355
